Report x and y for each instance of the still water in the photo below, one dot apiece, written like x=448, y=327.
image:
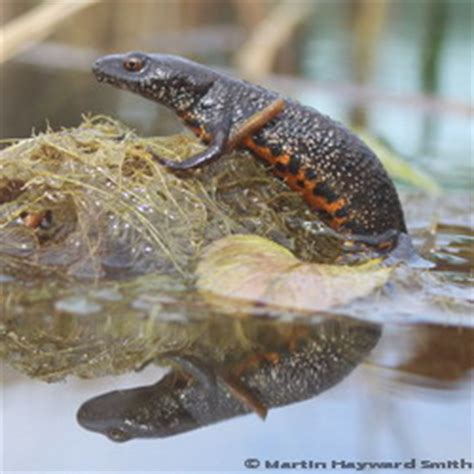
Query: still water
x=383, y=378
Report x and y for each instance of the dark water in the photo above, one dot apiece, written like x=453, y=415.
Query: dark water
x=384, y=379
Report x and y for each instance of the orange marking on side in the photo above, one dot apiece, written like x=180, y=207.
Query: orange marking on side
x=321, y=203
x=292, y=181
x=254, y=361
x=283, y=159
x=200, y=133
x=272, y=357
x=336, y=222
x=316, y=202
x=261, y=151
x=251, y=362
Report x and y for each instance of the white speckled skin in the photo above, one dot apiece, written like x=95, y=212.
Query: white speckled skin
x=178, y=403
x=338, y=167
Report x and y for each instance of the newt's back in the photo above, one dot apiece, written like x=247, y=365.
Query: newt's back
x=334, y=171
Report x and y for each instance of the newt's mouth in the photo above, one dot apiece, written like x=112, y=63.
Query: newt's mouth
x=114, y=80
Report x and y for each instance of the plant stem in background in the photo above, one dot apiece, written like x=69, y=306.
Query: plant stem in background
x=368, y=21
x=36, y=25
x=258, y=55
x=432, y=48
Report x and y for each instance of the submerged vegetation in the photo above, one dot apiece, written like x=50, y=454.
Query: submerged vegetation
x=108, y=261
x=110, y=205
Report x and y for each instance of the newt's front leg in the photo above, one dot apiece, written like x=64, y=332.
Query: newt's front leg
x=217, y=148
x=223, y=141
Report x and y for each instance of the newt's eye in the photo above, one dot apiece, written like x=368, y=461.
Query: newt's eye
x=133, y=64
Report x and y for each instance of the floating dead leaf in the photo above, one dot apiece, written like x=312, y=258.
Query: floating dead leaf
x=259, y=271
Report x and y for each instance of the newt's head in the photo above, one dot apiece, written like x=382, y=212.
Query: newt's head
x=168, y=80
x=152, y=411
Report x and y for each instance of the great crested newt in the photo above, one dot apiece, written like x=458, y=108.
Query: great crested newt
x=333, y=170
x=197, y=394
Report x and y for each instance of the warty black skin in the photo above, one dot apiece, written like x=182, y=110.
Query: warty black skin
x=190, y=398
x=337, y=174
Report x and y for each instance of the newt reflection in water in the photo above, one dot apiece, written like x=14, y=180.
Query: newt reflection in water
x=286, y=370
